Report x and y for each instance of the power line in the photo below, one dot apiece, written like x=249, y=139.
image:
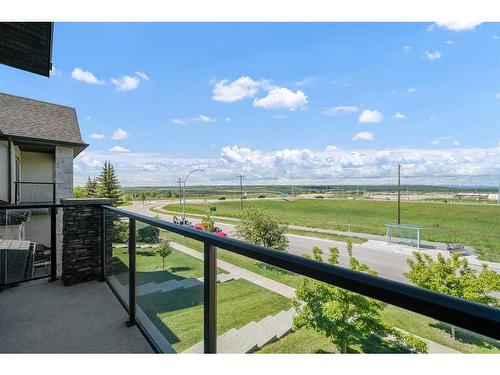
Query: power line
x=241, y=191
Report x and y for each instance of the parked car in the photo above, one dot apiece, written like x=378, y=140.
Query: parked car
x=261, y=196
x=185, y=222
x=217, y=231
x=319, y=197
x=222, y=198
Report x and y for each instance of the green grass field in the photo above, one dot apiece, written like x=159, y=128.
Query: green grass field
x=179, y=314
x=475, y=225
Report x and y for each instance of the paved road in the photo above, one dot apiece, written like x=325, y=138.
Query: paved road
x=388, y=260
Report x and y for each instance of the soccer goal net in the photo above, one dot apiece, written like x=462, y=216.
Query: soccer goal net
x=403, y=234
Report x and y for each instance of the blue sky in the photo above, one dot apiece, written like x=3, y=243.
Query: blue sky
x=312, y=103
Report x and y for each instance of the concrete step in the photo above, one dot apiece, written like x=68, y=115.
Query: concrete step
x=233, y=341
x=147, y=289
x=257, y=334
x=271, y=324
x=167, y=286
x=189, y=283
x=225, y=277
x=286, y=316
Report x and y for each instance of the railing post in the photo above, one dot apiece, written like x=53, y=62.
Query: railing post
x=131, y=273
x=53, y=244
x=54, y=192
x=210, y=299
x=103, y=242
x=15, y=193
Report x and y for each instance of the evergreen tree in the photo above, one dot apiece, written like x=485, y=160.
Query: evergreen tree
x=91, y=188
x=109, y=186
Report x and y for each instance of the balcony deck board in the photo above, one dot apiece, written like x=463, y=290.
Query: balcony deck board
x=46, y=317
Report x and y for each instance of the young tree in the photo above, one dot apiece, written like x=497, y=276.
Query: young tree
x=91, y=188
x=78, y=192
x=143, y=196
x=261, y=228
x=164, y=250
x=454, y=276
x=344, y=317
x=109, y=186
x=208, y=223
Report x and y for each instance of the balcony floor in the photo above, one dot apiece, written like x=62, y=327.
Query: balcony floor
x=47, y=317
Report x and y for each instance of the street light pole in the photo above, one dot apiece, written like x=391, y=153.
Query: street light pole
x=184, y=194
x=399, y=193
x=241, y=192
x=179, y=181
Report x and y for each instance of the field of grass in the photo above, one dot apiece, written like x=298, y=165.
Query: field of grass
x=150, y=268
x=179, y=314
x=417, y=324
x=475, y=225
x=308, y=341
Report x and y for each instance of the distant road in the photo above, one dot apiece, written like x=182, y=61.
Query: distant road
x=387, y=262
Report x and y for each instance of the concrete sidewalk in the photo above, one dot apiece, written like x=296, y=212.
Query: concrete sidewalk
x=242, y=273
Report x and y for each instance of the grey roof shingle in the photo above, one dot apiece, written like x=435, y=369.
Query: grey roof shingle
x=23, y=117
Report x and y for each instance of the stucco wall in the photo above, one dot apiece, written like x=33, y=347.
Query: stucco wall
x=37, y=166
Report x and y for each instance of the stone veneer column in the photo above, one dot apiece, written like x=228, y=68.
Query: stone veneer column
x=81, y=249
x=63, y=177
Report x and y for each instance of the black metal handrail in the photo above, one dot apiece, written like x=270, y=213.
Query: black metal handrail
x=472, y=316
x=53, y=238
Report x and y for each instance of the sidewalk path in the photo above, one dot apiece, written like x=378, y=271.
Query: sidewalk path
x=253, y=277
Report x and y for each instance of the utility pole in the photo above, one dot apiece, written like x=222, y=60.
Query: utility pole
x=399, y=193
x=179, y=181
x=241, y=191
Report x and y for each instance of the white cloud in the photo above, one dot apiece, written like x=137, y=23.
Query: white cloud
x=227, y=119
x=308, y=81
x=282, y=98
x=85, y=76
x=118, y=149
x=440, y=140
x=333, y=111
x=455, y=26
x=178, y=121
x=328, y=166
x=449, y=42
x=456, y=143
x=197, y=118
x=97, y=136
x=229, y=92
x=495, y=37
x=203, y=118
x=411, y=90
x=55, y=72
x=369, y=116
x=399, y=116
x=142, y=75
x=119, y=134
x=407, y=49
x=363, y=136
x=497, y=95
x=434, y=142
x=432, y=55
x=125, y=83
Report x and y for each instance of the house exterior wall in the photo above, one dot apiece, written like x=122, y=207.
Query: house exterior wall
x=37, y=166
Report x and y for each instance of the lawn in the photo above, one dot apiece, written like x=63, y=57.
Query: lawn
x=308, y=341
x=415, y=323
x=179, y=314
x=475, y=225
x=150, y=269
